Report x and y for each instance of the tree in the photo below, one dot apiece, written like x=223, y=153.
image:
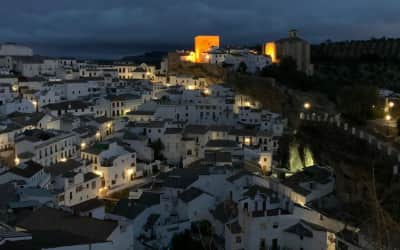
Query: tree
x=242, y=68
x=357, y=102
x=287, y=74
x=184, y=241
x=157, y=147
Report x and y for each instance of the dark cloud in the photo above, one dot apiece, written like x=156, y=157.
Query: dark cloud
x=120, y=27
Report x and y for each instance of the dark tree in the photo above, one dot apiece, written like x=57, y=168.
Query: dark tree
x=242, y=68
x=157, y=147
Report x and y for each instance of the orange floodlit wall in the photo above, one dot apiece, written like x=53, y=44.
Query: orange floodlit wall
x=203, y=44
x=270, y=50
x=190, y=57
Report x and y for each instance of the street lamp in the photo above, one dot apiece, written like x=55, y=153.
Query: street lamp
x=307, y=105
x=391, y=104
x=388, y=117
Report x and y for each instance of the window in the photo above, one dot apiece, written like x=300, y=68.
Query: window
x=93, y=184
x=238, y=239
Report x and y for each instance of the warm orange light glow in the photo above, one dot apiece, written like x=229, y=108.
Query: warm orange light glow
x=17, y=161
x=191, y=57
x=270, y=50
x=202, y=44
x=129, y=171
x=99, y=173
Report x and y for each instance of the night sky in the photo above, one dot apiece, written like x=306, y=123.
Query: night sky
x=113, y=28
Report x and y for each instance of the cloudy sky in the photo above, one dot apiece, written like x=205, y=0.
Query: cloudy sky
x=112, y=28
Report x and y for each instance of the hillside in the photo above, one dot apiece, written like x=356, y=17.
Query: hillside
x=365, y=188
x=212, y=72
x=372, y=50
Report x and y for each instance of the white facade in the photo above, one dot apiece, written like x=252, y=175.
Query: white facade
x=46, y=147
x=114, y=163
x=78, y=188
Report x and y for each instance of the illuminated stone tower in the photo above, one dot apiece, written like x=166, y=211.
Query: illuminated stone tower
x=294, y=47
x=270, y=50
x=202, y=44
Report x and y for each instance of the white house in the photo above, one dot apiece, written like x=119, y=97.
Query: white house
x=78, y=187
x=115, y=163
x=46, y=147
x=32, y=174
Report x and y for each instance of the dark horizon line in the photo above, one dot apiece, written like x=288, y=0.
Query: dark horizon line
x=92, y=51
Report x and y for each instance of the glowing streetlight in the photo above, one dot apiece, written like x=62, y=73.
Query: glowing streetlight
x=17, y=161
x=129, y=172
x=388, y=117
x=307, y=105
x=391, y=104
x=83, y=145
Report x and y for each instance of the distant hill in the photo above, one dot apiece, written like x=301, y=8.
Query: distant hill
x=153, y=58
x=373, y=50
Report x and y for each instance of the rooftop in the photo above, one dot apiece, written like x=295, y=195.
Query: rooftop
x=132, y=208
x=88, y=228
x=26, y=169
x=190, y=194
x=88, y=205
x=316, y=174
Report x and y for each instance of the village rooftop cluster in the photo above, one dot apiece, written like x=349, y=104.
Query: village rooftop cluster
x=185, y=151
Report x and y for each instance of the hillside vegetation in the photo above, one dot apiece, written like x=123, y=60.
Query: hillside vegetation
x=369, y=62
x=213, y=73
x=366, y=186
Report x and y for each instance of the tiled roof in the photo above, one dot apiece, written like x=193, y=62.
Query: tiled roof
x=132, y=208
x=190, y=194
x=88, y=205
x=50, y=219
x=30, y=169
